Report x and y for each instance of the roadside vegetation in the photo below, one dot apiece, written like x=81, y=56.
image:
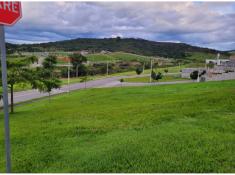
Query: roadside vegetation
x=20, y=74
x=169, y=128
x=146, y=79
x=90, y=67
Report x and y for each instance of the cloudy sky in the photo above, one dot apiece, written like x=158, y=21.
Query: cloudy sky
x=207, y=24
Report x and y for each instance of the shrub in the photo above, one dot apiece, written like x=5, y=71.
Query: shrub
x=139, y=70
x=157, y=76
x=153, y=75
x=194, y=75
x=202, y=73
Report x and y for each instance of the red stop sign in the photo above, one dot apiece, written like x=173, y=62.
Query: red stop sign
x=10, y=12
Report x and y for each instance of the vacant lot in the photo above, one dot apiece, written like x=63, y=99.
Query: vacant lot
x=170, y=128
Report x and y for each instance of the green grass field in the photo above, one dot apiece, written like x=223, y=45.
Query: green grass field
x=173, y=69
x=201, y=56
x=166, y=78
x=193, y=57
x=117, y=56
x=169, y=128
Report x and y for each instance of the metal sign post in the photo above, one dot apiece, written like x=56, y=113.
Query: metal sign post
x=10, y=13
x=5, y=98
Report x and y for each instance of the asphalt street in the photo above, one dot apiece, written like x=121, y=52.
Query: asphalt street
x=100, y=83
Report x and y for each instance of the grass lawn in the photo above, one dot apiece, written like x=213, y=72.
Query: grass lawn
x=169, y=128
x=173, y=69
x=114, y=56
x=165, y=78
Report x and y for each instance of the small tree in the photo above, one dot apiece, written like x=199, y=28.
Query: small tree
x=153, y=75
x=202, y=73
x=18, y=72
x=84, y=79
x=45, y=78
x=194, y=75
x=32, y=59
x=139, y=70
x=77, y=60
x=157, y=76
x=166, y=71
x=121, y=80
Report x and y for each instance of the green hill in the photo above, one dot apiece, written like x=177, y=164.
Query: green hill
x=130, y=45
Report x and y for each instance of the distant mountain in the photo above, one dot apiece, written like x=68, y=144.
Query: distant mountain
x=130, y=45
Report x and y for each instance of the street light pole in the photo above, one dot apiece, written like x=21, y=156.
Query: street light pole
x=68, y=73
x=5, y=99
x=143, y=67
x=107, y=68
x=151, y=69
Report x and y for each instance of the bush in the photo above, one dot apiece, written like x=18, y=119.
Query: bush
x=64, y=72
x=166, y=70
x=139, y=70
x=153, y=75
x=194, y=75
x=202, y=79
x=202, y=73
x=157, y=76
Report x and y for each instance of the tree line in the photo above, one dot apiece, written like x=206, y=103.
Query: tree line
x=130, y=45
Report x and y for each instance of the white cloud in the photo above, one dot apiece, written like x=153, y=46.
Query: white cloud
x=192, y=22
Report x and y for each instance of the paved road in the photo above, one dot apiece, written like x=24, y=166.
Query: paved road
x=34, y=94
x=101, y=83
x=105, y=82
x=113, y=84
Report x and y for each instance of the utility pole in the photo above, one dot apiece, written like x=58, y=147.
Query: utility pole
x=151, y=69
x=68, y=73
x=5, y=98
x=143, y=67
x=107, y=72
x=198, y=77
